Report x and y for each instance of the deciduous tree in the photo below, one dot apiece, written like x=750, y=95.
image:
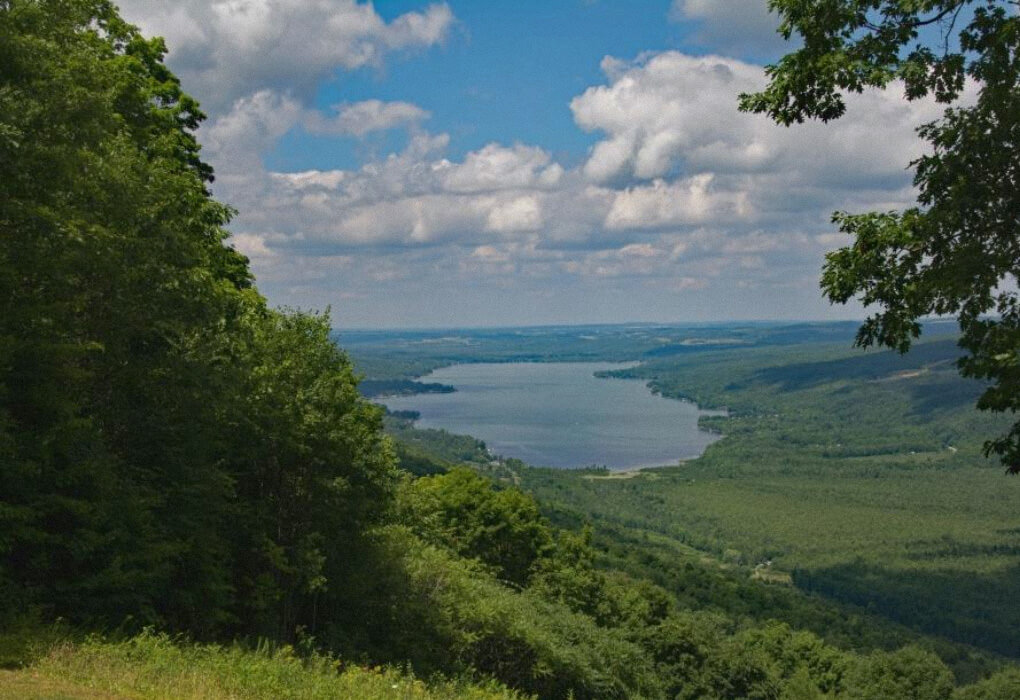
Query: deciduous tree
x=958, y=251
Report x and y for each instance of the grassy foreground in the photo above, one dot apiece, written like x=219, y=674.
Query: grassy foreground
x=155, y=666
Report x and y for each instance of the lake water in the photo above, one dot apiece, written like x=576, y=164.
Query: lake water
x=558, y=414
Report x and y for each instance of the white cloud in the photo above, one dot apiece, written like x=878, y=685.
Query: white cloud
x=682, y=192
x=227, y=49
x=521, y=214
x=496, y=167
x=697, y=191
x=683, y=202
x=672, y=111
x=360, y=118
x=489, y=254
x=255, y=123
x=669, y=106
x=310, y=179
x=252, y=245
x=237, y=139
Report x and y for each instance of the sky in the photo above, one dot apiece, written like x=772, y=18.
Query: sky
x=524, y=162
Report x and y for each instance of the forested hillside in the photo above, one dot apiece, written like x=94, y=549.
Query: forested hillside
x=195, y=498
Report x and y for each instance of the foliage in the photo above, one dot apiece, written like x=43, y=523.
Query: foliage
x=311, y=468
x=816, y=486
x=728, y=655
x=957, y=252
x=569, y=577
x=460, y=510
x=702, y=661
x=440, y=444
x=442, y=613
x=1004, y=685
x=174, y=452
x=909, y=673
x=113, y=277
x=372, y=388
x=417, y=461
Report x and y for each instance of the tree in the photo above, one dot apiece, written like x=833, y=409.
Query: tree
x=311, y=468
x=461, y=510
x=958, y=251
x=910, y=672
x=113, y=278
x=171, y=450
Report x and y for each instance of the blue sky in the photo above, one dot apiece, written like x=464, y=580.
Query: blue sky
x=500, y=163
x=506, y=74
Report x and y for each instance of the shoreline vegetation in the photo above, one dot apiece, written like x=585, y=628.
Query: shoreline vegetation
x=383, y=388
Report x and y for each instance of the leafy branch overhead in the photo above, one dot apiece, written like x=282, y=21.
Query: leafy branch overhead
x=957, y=252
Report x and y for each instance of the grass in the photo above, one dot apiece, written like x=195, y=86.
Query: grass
x=155, y=666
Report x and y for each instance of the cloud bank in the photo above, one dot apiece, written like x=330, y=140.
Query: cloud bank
x=677, y=167
x=683, y=206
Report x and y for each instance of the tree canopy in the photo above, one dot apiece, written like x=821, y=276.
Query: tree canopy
x=172, y=449
x=958, y=251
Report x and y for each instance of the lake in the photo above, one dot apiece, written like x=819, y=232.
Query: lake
x=558, y=414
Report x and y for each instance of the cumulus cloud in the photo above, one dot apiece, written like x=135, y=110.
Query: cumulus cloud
x=683, y=202
x=680, y=191
x=415, y=197
x=520, y=214
x=496, y=167
x=671, y=110
x=226, y=49
x=681, y=184
x=238, y=139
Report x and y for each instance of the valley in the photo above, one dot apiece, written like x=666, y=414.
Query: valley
x=843, y=477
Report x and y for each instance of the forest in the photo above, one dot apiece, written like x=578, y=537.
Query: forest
x=197, y=501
